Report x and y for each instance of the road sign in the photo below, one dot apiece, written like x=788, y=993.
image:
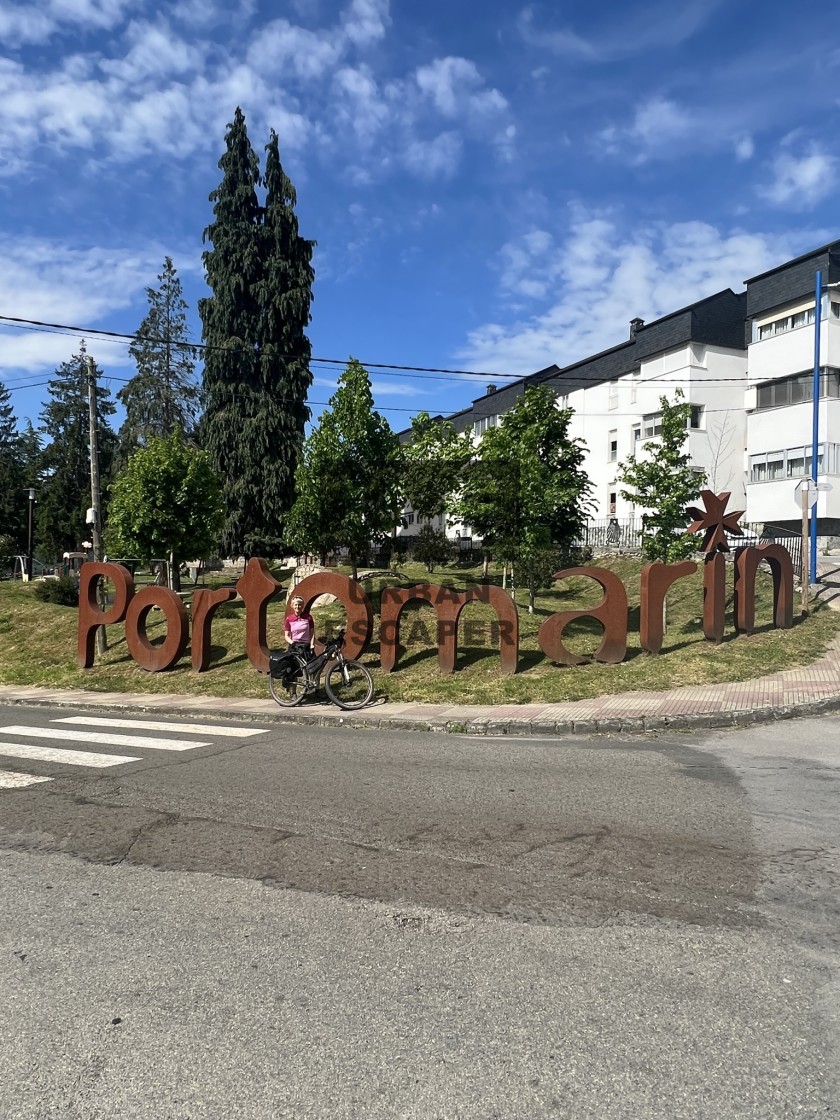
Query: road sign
x=809, y=488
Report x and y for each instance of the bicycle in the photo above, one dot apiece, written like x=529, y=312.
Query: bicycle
x=291, y=676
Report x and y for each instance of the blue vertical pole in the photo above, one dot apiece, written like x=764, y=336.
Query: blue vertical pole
x=815, y=452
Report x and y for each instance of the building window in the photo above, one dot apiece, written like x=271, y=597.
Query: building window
x=612, y=400
x=696, y=419
x=637, y=434
x=834, y=309
x=771, y=466
x=563, y=401
x=652, y=425
x=634, y=385
x=797, y=389
x=409, y=519
x=612, y=501
x=613, y=447
x=790, y=322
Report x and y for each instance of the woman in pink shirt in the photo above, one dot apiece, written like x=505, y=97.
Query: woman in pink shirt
x=299, y=627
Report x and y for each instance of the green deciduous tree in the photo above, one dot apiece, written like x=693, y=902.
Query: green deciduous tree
x=167, y=501
x=526, y=491
x=435, y=458
x=256, y=367
x=65, y=462
x=163, y=396
x=348, y=480
x=663, y=483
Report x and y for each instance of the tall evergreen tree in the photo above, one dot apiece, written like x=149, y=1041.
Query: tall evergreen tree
x=256, y=368
x=163, y=396
x=16, y=475
x=65, y=461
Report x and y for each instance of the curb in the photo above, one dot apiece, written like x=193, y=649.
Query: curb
x=490, y=727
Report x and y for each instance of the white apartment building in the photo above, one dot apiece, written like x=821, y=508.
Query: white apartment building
x=781, y=333
x=744, y=361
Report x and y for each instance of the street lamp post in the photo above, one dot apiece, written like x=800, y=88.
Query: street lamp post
x=29, y=534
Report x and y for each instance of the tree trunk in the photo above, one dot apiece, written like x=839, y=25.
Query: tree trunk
x=354, y=566
x=532, y=596
x=174, y=573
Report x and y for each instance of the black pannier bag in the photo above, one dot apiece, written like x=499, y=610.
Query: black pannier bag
x=282, y=664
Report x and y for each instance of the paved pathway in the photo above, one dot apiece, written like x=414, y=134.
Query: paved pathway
x=806, y=691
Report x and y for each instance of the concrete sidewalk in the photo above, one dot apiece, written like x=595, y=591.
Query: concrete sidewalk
x=810, y=690
x=806, y=691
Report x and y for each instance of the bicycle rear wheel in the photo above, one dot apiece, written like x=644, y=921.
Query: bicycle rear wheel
x=349, y=684
x=288, y=691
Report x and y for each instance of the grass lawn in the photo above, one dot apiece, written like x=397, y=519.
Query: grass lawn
x=38, y=646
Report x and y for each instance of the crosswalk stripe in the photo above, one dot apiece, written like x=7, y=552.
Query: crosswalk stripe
x=56, y=754
x=11, y=779
x=114, y=740
x=153, y=725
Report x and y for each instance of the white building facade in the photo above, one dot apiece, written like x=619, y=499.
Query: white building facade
x=744, y=362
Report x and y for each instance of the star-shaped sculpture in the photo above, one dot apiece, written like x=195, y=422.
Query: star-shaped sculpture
x=715, y=521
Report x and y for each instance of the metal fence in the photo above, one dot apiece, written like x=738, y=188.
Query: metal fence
x=624, y=533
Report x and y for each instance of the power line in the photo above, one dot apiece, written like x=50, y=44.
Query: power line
x=126, y=339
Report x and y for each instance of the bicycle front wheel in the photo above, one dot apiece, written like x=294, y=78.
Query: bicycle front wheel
x=287, y=691
x=348, y=684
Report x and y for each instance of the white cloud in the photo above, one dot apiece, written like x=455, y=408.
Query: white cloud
x=744, y=148
x=800, y=181
x=154, y=52
x=359, y=103
x=431, y=159
x=56, y=283
x=631, y=30
x=24, y=23
x=659, y=126
x=456, y=88
x=164, y=89
x=281, y=48
x=599, y=276
x=366, y=21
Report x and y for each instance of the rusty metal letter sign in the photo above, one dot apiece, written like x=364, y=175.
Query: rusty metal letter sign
x=448, y=605
x=356, y=604
x=657, y=579
x=611, y=612
x=258, y=587
x=781, y=566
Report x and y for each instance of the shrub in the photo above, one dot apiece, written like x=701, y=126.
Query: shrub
x=433, y=547
x=64, y=591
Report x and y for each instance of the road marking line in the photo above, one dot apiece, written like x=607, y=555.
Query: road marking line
x=100, y=737
x=153, y=725
x=55, y=754
x=11, y=779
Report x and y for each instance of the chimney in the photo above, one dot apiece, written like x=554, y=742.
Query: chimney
x=636, y=325
x=490, y=389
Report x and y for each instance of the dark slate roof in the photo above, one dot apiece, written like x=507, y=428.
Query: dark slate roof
x=717, y=320
x=793, y=280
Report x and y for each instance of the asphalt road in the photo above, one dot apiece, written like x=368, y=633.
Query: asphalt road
x=307, y=922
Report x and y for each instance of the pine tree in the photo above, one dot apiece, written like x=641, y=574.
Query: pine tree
x=256, y=369
x=65, y=461
x=163, y=396
x=15, y=476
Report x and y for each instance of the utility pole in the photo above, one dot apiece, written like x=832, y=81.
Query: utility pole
x=95, y=498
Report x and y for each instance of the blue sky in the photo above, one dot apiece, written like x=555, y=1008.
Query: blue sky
x=492, y=186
